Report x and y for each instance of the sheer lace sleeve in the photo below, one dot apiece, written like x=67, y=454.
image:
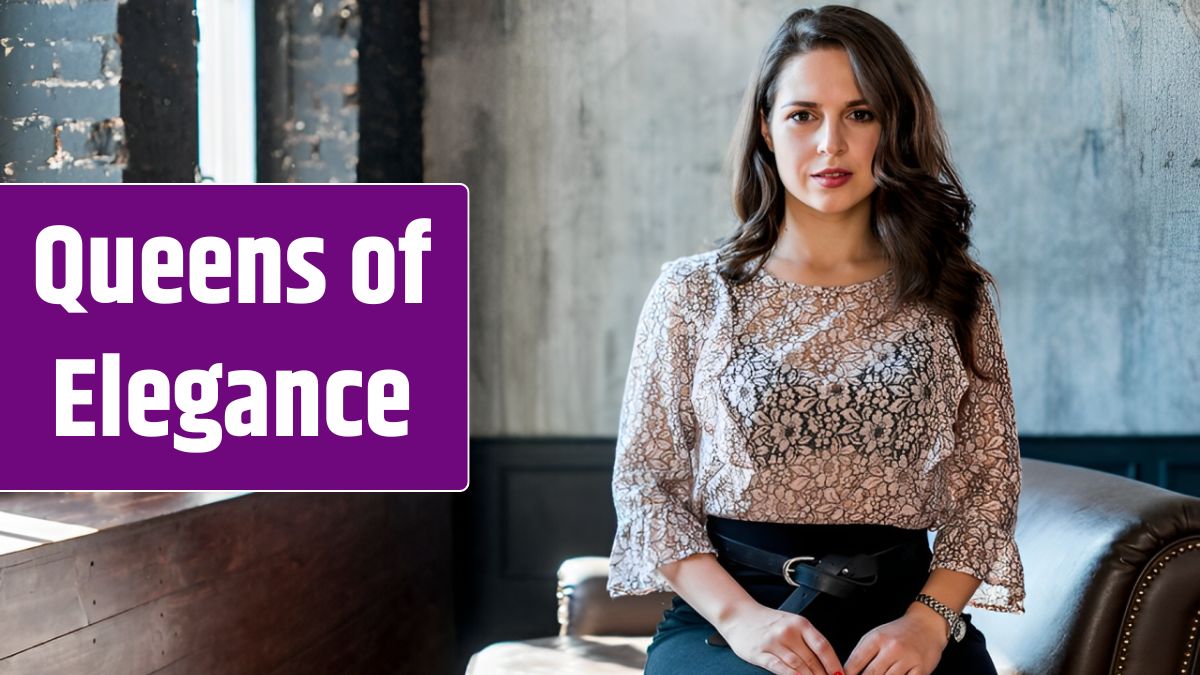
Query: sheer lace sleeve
x=983, y=480
x=658, y=517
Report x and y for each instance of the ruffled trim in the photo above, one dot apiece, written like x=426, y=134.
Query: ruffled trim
x=1002, y=587
x=646, y=542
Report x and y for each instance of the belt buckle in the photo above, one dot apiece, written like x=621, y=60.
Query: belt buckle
x=787, y=567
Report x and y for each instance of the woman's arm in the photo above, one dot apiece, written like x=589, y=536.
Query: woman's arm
x=981, y=479
x=659, y=517
x=951, y=588
x=782, y=642
x=915, y=641
x=708, y=588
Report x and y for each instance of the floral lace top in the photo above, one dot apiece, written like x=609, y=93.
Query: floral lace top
x=778, y=402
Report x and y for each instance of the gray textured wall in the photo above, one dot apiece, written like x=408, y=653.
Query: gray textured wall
x=592, y=136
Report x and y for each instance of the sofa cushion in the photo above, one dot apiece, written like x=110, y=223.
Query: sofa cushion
x=601, y=655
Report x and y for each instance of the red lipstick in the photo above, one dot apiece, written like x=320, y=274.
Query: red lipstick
x=832, y=177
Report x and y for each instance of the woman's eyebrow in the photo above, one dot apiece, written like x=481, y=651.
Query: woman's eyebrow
x=813, y=104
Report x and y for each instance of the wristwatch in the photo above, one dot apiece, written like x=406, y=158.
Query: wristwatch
x=958, y=627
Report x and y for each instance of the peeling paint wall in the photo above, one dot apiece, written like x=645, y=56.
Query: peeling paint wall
x=308, y=117
x=60, y=70
x=105, y=90
x=592, y=137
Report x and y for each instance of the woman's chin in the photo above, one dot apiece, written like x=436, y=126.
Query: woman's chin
x=831, y=207
x=832, y=204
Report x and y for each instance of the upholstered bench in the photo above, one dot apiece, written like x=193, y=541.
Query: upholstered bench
x=1112, y=574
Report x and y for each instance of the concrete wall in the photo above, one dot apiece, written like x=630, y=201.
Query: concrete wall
x=592, y=137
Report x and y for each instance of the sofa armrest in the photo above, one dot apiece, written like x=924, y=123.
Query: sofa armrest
x=585, y=608
x=1111, y=569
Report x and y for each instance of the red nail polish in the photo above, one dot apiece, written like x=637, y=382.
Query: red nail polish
x=838, y=673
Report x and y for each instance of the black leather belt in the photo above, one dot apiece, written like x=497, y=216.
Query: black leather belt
x=837, y=574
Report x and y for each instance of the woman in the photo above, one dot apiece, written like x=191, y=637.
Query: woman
x=807, y=402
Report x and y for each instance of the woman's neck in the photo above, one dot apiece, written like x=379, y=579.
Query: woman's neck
x=828, y=243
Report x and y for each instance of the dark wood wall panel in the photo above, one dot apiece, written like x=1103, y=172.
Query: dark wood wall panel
x=1181, y=476
x=1159, y=460
x=532, y=503
x=554, y=501
x=351, y=647
x=264, y=583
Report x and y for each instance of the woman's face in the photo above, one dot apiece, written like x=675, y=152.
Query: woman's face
x=819, y=121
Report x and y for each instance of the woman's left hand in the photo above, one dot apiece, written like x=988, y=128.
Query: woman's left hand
x=910, y=645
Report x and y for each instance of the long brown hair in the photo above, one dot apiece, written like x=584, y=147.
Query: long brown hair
x=920, y=213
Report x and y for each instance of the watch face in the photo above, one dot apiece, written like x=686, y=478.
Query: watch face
x=960, y=630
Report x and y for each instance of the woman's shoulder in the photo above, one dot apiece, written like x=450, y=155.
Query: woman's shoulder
x=695, y=271
x=690, y=284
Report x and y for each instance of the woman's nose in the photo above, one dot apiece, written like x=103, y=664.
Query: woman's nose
x=832, y=142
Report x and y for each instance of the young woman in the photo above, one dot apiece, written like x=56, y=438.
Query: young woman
x=805, y=403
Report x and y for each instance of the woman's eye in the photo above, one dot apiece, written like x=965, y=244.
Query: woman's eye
x=856, y=115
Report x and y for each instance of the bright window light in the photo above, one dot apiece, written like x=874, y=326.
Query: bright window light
x=225, y=65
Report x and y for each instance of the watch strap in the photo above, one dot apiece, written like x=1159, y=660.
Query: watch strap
x=953, y=618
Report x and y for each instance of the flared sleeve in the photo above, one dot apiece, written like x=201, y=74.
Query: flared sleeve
x=982, y=479
x=659, y=519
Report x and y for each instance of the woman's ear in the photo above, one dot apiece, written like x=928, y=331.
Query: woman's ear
x=765, y=130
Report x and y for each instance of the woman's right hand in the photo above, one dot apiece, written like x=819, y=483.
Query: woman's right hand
x=782, y=642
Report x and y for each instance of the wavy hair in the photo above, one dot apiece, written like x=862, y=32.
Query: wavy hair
x=920, y=213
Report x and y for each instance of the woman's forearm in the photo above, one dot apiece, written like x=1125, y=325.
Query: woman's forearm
x=706, y=586
x=952, y=588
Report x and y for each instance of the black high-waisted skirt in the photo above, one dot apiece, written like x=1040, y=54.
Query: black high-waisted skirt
x=679, y=647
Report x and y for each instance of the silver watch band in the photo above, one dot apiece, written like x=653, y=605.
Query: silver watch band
x=953, y=618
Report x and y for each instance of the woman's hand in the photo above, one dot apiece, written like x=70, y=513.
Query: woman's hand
x=910, y=645
x=782, y=642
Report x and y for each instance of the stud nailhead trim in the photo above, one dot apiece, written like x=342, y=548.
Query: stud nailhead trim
x=1132, y=613
x=1191, y=644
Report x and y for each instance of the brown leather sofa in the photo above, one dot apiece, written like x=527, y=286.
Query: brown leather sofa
x=1112, y=574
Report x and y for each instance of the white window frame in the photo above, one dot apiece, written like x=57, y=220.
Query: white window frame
x=226, y=91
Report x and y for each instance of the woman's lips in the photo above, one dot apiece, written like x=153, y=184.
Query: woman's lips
x=832, y=181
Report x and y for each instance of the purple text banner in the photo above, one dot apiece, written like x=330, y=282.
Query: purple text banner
x=235, y=337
